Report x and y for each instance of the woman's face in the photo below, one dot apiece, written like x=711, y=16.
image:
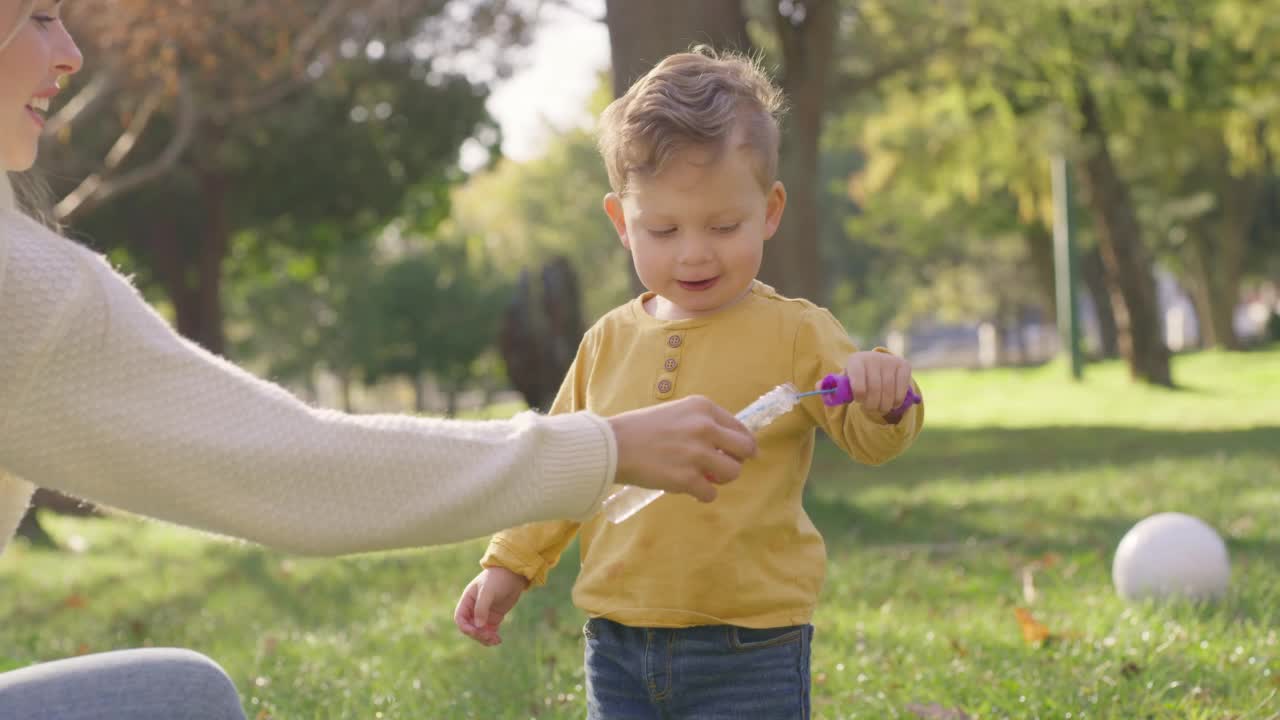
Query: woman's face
x=40, y=51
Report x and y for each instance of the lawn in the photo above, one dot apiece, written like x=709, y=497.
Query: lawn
x=1014, y=497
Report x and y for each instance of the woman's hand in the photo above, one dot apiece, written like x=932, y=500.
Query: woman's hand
x=684, y=446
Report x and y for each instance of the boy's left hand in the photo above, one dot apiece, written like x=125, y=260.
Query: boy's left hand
x=879, y=380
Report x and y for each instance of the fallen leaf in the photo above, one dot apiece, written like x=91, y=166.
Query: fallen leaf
x=76, y=601
x=958, y=648
x=821, y=679
x=82, y=649
x=1033, y=632
x=1130, y=669
x=934, y=711
x=262, y=715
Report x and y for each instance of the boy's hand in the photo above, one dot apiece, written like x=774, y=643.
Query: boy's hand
x=486, y=601
x=879, y=380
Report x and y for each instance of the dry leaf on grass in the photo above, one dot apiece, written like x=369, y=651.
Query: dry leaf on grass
x=1032, y=631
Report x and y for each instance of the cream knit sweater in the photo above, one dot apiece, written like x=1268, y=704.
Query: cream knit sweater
x=101, y=399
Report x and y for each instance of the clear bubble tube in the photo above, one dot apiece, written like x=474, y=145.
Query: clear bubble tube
x=768, y=407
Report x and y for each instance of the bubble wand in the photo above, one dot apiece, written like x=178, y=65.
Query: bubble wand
x=835, y=390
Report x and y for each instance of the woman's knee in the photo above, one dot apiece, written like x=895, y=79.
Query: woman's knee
x=208, y=691
x=142, y=684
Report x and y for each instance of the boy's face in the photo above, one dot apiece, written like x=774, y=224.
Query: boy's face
x=696, y=231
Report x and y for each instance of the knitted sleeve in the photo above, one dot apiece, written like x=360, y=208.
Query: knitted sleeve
x=101, y=399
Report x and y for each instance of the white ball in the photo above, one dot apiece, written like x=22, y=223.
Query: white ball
x=1171, y=555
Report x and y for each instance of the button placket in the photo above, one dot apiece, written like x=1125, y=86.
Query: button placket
x=666, y=384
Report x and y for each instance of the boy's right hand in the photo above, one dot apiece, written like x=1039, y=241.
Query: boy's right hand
x=486, y=601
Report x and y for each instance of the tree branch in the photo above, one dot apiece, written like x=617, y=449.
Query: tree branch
x=294, y=77
x=99, y=88
x=309, y=38
x=101, y=186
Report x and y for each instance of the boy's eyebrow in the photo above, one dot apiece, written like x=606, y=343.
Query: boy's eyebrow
x=726, y=214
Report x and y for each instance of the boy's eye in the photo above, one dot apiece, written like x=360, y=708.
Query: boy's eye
x=44, y=20
x=726, y=229
x=663, y=232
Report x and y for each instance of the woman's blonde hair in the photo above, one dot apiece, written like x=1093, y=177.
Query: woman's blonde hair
x=6, y=193
x=29, y=193
x=7, y=33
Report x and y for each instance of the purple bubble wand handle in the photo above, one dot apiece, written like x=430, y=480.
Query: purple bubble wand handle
x=772, y=405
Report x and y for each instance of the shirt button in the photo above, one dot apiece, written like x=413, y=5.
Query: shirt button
x=664, y=386
x=670, y=364
x=675, y=341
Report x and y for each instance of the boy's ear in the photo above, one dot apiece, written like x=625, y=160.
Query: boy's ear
x=774, y=205
x=613, y=208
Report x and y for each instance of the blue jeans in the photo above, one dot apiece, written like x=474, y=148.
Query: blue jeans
x=147, y=684
x=712, y=672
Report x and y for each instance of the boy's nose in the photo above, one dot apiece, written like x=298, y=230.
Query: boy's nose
x=694, y=253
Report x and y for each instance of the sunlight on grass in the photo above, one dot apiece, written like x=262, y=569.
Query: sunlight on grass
x=927, y=562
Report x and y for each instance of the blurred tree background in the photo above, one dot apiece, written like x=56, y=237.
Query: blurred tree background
x=284, y=178
x=317, y=190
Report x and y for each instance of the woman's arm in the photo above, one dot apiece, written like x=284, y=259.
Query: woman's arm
x=100, y=398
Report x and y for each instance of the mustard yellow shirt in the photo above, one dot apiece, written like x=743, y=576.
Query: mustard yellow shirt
x=751, y=558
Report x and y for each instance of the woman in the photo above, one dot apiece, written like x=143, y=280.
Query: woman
x=99, y=398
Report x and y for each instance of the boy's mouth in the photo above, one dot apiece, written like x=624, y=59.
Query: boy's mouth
x=698, y=285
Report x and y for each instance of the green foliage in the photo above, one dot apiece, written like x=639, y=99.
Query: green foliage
x=434, y=311
x=956, y=178
x=528, y=212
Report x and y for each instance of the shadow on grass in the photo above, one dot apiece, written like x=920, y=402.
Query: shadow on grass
x=978, y=453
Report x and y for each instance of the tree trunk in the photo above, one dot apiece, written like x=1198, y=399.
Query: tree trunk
x=1039, y=241
x=792, y=261
x=1216, y=254
x=192, y=278
x=1241, y=198
x=420, y=393
x=1199, y=281
x=1128, y=266
x=344, y=383
x=642, y=33
x=213, y=251
x=1093, y=273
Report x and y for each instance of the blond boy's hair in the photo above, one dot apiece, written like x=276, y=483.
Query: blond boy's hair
x=694, y=99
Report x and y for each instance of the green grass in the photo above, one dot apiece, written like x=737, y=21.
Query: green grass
x=926, y=561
